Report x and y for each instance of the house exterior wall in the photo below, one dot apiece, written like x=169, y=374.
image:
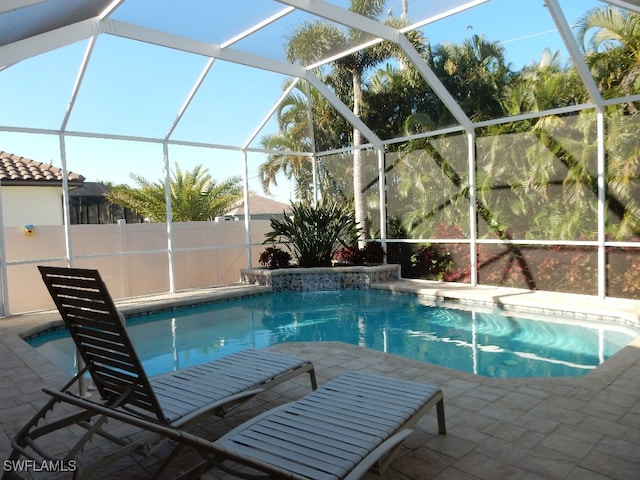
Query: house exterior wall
x=26, y=205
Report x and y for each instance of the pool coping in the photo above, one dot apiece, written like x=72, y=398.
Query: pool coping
x=583, y=307
x=32, y=323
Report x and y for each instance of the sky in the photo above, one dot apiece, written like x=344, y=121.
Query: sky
x=131, y=88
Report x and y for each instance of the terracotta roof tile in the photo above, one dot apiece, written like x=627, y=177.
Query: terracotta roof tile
x=16, y=170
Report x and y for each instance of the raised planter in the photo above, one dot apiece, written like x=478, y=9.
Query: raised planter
x=320, y=278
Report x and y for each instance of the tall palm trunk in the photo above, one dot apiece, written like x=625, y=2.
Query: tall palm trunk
x=359, y=200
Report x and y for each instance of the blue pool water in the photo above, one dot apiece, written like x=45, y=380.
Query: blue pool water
x=493, y=344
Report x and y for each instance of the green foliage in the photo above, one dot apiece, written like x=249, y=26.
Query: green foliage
x=536, y=178
x=313, y=233
x=475, y=72
x=431, y=261
x=372, y=253
x=195, y=196
x=310, y=42
x=610, y=38
x=274, y=257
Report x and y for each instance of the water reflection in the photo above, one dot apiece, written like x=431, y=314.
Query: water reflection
x=483, y=342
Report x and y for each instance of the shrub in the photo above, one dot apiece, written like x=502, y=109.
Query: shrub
x=274, y=257
x=349, y=255
x=373, y=253
x=431, y=261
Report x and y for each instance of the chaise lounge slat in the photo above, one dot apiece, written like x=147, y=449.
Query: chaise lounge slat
x=212, y=383
x=335, y=432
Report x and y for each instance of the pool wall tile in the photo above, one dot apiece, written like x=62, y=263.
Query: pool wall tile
x=320, y=278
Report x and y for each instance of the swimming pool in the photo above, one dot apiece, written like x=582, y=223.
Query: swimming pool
x=492, y=343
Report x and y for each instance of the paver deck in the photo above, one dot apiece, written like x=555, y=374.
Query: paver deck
x=578, y=428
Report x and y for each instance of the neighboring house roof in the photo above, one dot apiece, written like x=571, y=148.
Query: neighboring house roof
x=91, y=189
x=16, y=170
x=259, y=205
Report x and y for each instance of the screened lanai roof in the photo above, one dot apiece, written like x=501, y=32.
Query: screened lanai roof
x=210, y=73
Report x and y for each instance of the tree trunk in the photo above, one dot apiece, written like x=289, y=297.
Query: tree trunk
x=359, y=200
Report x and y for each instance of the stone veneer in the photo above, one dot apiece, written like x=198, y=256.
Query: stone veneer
x=320, y=278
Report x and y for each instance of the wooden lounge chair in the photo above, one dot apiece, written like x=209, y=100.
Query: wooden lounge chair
x=174, y=400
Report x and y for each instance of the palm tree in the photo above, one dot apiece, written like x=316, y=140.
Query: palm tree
x=475, y=73
x=541, y=182
x=544, y=85
x=294, y=167
x=294, y=135
x=610, y=38
x=394, y=94
x=311, y=42
x=612, y=49
x=195, y=196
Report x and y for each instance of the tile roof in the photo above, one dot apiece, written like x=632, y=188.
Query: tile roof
x=16, y=170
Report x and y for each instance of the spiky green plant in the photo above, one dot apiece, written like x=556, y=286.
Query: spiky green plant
x=313, y=233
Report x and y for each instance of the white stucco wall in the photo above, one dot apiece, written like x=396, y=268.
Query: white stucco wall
x=31, y=205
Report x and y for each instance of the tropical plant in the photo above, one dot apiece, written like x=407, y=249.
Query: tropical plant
x=544, y=85
x=475, y=73
x=311, y=42
x=610, y=38
x=395, y=93
x=371, y=254
x=195, y=196
x=274, y=257
x=431, y=261
x=313, y=233
x=350, y=255
x=292, y=136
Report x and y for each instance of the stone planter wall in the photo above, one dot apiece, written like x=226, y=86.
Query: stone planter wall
x=320, y=278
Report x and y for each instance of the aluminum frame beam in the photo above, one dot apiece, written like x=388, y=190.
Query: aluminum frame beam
x=574, y=51
x=9, y=5
x=377, y=29
x=176, y=42
x=46, y=42
x=631, y=5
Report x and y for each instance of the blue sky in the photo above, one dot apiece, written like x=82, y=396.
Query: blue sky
x=137, y=89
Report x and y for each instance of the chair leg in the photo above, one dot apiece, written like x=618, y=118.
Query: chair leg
x=442, y=426
x=47, y=421
x=165, y=463
x=312, y=377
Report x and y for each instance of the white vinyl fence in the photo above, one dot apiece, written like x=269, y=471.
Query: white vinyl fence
x=133, y=259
